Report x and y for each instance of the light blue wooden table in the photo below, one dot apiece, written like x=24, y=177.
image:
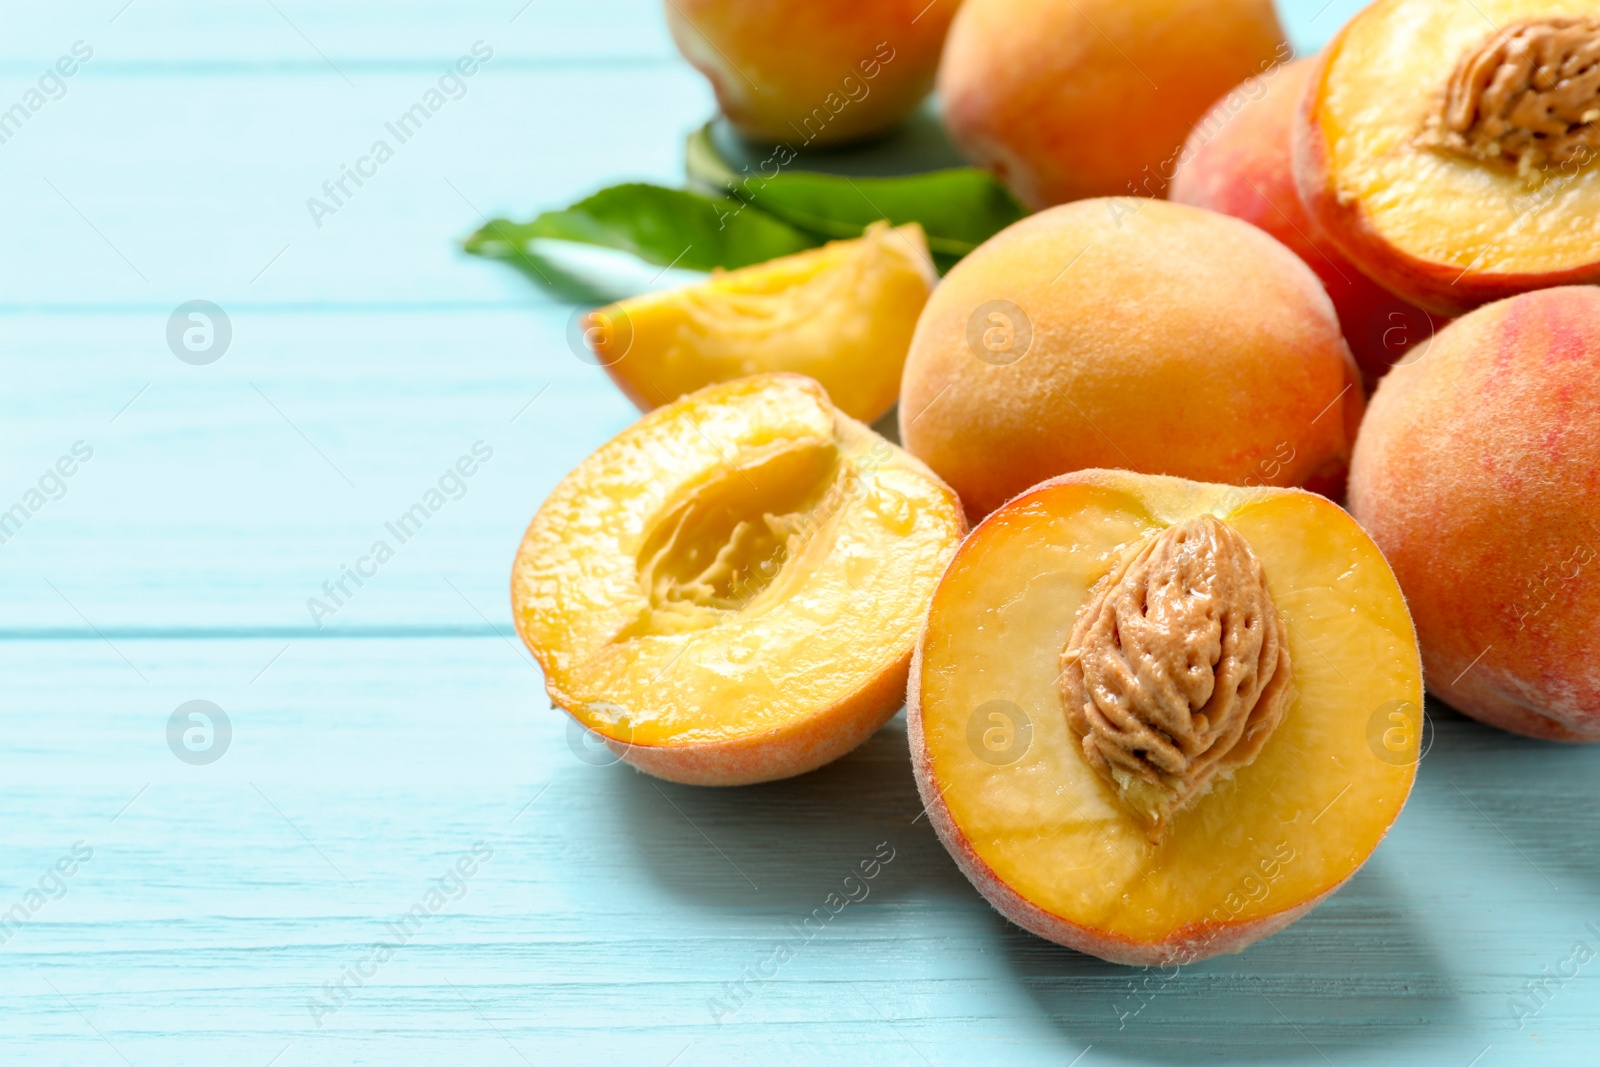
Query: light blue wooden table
x=172, y=912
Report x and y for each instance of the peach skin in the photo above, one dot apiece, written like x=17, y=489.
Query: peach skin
x=1156, y=720
x=1478, y=474
x=1130, y=333
x=728, y=591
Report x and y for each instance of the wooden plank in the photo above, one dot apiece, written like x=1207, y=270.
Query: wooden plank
x=360, y=368
x=618, y=918
x=366, y=352
x=295, y=35
x=616, y=911
x=228, y=497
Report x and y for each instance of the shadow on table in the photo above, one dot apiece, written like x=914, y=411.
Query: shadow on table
x=797, y=840
x=1355, y=974
x=1523, y=801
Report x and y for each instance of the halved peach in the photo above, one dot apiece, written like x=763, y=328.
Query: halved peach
x=729, y=590
x=1156, y=720
x=1239, y=160
x=842, y=314
x=1449, y=149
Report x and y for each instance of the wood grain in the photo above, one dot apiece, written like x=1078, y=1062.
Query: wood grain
x=618, y=919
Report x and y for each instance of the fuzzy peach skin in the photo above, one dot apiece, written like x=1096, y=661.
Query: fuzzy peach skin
x=1478, y=474
x=794, y=748
x=1197, y=942
x=728, y=591
x=1239, y=161
x=1164, y=339
x=813, y=72
x=1044, y=838
x=1444, y=232
x=1066, y=99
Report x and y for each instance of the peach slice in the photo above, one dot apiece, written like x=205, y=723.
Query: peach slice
x=842, y=314
x=1449, y=149
x=1156, y=720
x=729, y=590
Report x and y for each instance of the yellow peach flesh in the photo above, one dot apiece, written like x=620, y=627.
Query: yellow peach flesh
x=1380, y=83
x=842, y=314
x=1283, y=831
x=796, y=624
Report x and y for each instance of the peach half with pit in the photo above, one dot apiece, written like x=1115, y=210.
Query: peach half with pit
x=1156, y=720
x=842, y=314
x=1452, y=151
x=729, y=590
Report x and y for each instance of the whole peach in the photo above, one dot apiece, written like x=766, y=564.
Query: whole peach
x=1066, y=99
x=1133, y=334
x=1239, y=160
x=813, y=72
x=1478, y=473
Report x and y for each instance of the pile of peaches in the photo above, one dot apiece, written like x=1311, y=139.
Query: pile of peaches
x=1166, y=696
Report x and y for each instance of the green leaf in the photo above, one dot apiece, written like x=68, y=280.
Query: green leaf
x=957, y=209
x=669, y=227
